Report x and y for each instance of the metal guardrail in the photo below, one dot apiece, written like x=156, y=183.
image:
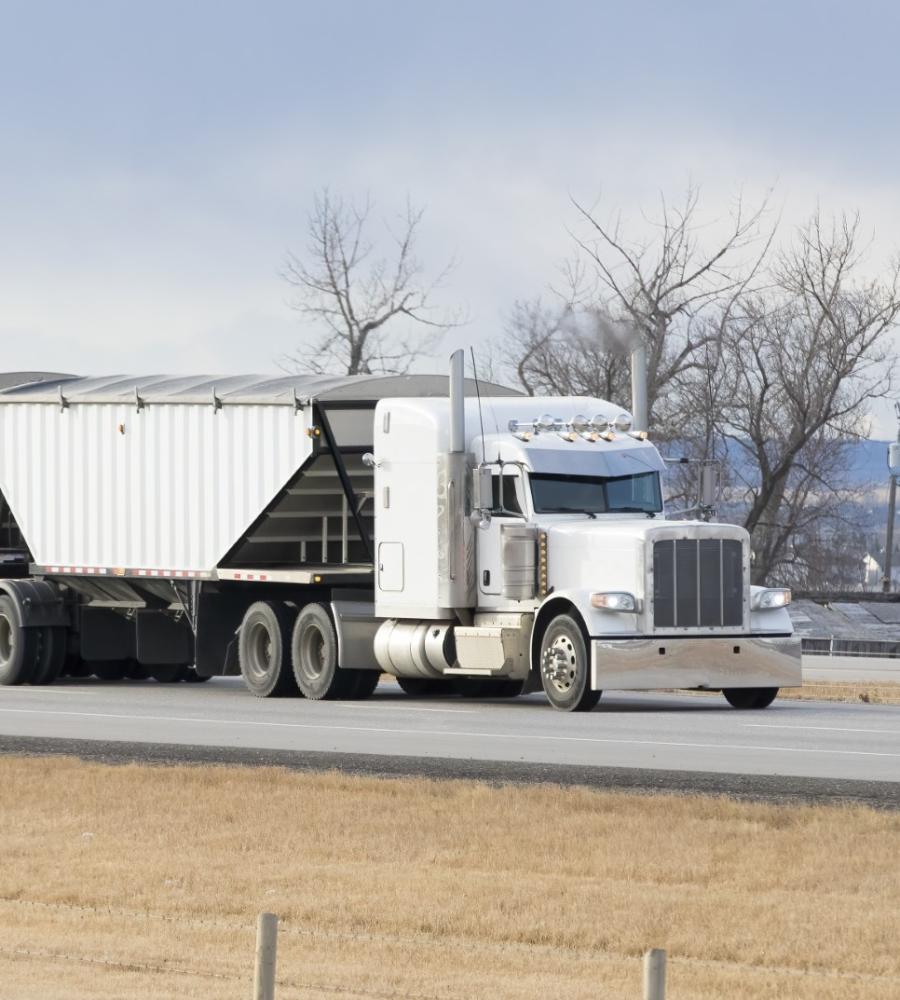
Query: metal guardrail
x=869, y=648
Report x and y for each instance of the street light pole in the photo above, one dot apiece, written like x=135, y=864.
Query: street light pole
x=892, y=509
x=889, y=540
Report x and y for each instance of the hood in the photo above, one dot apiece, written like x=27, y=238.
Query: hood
x=618, y=553
x=611, y=529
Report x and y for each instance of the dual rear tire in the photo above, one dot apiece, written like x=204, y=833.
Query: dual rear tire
x=28, y=655
x=281, y=655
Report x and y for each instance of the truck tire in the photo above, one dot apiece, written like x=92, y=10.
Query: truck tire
x=487, y=687
x=190, y=676
x=750, y=697
x=314, y=655
x=75, y=667
x=425, y=687
x=19, y=647
x=135, y=671
x=263, y=650
x=564, y=666
x=165, y=673
x=364, y=683
x=52, y=656
x=107, y=670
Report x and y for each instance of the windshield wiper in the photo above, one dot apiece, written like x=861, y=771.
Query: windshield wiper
x=573, y=510
x=630, y=510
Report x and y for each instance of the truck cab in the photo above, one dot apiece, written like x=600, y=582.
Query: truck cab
x=541, y=553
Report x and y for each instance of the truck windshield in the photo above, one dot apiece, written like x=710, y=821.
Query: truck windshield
x=553, y=494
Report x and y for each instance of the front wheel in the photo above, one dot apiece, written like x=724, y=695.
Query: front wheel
x=565, y=670
x=750, y=697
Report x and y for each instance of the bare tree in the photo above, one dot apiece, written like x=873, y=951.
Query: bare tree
x=554, y=350
x=764, y=361
x=373, y=312
x=665, y=288
x=801, y=362
x=669, y=292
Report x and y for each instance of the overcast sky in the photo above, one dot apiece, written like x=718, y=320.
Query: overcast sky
x=157, y=160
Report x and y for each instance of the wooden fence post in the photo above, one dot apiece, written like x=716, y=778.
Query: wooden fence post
x=266, y=945
x=655, y=974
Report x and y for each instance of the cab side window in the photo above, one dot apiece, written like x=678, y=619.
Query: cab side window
x=506, y=501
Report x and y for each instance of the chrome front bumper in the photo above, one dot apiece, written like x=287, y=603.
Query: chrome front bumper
x=707, y=662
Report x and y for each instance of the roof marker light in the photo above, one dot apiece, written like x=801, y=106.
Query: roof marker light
x=580, y=424
x=546, y=422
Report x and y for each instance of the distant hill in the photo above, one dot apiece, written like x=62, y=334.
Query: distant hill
x=867, y=461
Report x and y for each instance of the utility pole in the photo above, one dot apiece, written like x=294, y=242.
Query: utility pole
x=893, y=457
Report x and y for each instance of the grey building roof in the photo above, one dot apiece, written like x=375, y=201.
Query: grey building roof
x=230, y=388
x=866, y=627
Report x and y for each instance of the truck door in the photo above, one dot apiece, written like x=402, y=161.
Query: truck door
x=508, y=505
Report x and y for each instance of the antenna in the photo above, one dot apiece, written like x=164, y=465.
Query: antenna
x=480, y=414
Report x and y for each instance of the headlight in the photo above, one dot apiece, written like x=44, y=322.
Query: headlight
x=615, y=600
x=623, y=423
x=764, y=600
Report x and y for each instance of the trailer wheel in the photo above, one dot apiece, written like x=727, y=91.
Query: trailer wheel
x=19, y=647
x=565, y=671
x=52, y=656
x=314, y=654
x=425, y=687
x=165, y=673
x=136, y=671
x=107, y=670
x=750, y=697
x=263, y=650
x=75, y=667
x=190, y=675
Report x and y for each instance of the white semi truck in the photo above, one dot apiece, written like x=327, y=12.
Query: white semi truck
x=312, y=533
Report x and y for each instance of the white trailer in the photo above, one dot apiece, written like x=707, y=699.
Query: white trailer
x=310, y=533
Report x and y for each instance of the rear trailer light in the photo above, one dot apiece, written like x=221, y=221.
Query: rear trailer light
x=764, y=600
x=615, y=600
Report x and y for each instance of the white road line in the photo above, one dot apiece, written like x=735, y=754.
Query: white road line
x=409, y=708
x=28, y=689
x=530, y=737
x=826, y=729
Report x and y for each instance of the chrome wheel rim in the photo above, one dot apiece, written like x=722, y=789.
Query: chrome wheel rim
x=560, y=664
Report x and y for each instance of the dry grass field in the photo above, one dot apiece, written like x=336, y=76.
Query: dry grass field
x=119, y=883
x=871, y=692
x=852, y=692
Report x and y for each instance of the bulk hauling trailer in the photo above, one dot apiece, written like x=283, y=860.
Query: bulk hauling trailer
x=152, y=515
x=310, y=533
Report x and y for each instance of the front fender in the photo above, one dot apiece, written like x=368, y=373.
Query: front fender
x=596, y=621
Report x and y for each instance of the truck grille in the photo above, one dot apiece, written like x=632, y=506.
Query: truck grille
x=698, y=583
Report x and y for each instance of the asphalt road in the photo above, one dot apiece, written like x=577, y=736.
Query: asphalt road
x=689, y=740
